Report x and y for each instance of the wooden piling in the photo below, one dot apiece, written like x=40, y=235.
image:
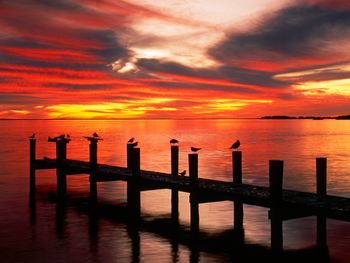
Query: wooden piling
x=321, y=189
x=321, y=176
x=237, y=179
x=276, y=185
x=174, y=192
x=93, y=166
x=237, y=167
x=193, y=173
x=276, y=180
x=133, y=190
x=129, y=148
x=32, y=156
x=61, y=156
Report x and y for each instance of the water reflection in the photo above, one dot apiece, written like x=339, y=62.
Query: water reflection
x=261, y=141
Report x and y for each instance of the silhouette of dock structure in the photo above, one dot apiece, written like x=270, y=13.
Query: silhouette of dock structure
x=283, y=204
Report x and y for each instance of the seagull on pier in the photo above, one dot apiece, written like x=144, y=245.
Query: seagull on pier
x=131, y=140
x=32, y=136
x=95, y=135
x=194, y=149
x=235, y=145
x=59, y=137
x=173, y=141
x=50, y=139
x=182, y=173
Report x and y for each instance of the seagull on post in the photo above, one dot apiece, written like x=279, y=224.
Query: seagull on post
x=194, y=149
x=173, y=141
x=182, y=173
x=235, y=145
x=95, y=135
x=32, y=136
x=131, y=140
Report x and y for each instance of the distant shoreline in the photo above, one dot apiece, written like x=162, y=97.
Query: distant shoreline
x=272, y=117
x=282, y=117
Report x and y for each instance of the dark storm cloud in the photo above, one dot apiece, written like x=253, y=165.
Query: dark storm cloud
x=17, y=99
x=294, y=31
x=228, y=73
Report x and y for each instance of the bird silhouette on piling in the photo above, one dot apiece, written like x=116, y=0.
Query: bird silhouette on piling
x=195, y=149
x=59, y=137
x=131, y=140
x=235, y=145
x=95, y=135
x=182, y=173
x=32, y=136
x=173, y=141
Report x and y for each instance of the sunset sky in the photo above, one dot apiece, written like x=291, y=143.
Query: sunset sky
x=174, y=58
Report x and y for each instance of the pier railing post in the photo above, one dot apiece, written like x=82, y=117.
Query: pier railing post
x=134, y=195
x=93, y=166
x=237, y=179
x=61, y=156
x=321, y=185
x=193, y=173
x=174, y=192
x=276, y=186
x=32, y=158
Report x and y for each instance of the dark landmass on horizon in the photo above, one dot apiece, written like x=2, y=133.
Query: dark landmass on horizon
x=284, y=117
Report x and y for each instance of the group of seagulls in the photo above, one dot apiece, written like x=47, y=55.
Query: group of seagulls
x=134, y=143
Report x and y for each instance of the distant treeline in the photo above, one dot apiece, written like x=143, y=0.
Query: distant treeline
x=283, y=117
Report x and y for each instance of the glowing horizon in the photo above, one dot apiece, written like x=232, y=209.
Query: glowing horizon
x=170, y=59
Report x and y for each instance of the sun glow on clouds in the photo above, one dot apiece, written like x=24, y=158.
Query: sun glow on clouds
x=171, y=58
x=324, y=88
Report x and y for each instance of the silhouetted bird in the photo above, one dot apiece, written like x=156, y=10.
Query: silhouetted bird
x=50, y=139
x=60, y=136
x=68, y=136
x=134, y=144
x=173, y=141
x=32, y=136
x=182, y=173
x=95, y=135
x=235, y=145
x=194, y=149
x=131, y=140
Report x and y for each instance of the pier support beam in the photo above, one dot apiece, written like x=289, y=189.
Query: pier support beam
x=61, y=156
x=193, y=173
x=174, y=192
x=93, y=166
x=129, y=151
x=133, y=191
x=32, y=157
x=276, y=185
x=321, y=185
x=237, y=179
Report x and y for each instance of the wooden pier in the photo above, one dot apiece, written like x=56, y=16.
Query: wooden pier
x=283, y=204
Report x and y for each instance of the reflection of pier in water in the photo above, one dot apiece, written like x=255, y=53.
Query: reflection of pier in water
x=283, y=204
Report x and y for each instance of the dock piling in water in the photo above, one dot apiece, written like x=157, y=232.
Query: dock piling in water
x=174, y=192
x=237, y=179
x=321, y=185
x=276, y=219
x=194, y=203
x=61, y=157
x=133, y=187
x=93, y=166
x=32, y=156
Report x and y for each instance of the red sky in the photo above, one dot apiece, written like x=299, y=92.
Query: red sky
x=174, y=59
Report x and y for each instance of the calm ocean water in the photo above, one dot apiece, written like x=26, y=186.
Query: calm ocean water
x=51, y=233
